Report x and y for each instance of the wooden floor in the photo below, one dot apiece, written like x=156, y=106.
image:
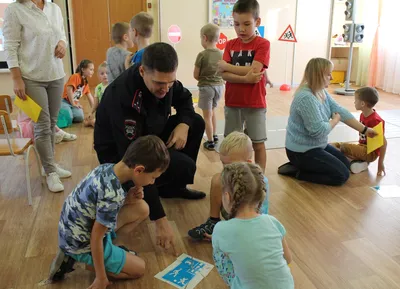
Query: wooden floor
x=347, y=237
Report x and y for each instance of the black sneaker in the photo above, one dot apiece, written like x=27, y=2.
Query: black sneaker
x=215, y=137
x=183, y=193
x=61, y=265
x=288, y=170
x=191, y=194
x=209, y=145
x=129, y=251
x=198, y=232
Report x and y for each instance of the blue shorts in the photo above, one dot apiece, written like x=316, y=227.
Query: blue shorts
x=114, y=256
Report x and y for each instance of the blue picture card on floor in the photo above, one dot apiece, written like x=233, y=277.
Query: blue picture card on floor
x=186, y=272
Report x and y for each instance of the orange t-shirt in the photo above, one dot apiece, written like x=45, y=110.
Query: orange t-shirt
x=79, y=88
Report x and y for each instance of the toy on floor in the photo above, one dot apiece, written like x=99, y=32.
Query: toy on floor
x=185, y=273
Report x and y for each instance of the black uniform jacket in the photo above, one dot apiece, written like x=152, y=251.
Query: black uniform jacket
x=128, y=110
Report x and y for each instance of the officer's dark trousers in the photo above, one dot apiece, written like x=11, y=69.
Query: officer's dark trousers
x=182, y=167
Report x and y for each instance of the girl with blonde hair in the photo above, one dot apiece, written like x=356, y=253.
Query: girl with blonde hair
x=313, y=115
x=249, y=250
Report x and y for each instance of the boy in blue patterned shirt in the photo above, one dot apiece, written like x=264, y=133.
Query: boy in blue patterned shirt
x=99, y=208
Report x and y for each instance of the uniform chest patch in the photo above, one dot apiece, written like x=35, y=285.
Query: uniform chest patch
x=130, y=129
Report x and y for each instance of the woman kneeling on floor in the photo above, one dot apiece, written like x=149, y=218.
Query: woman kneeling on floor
x=313, y=115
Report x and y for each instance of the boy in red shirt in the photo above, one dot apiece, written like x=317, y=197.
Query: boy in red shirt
x=243, y=68
x=365, y=99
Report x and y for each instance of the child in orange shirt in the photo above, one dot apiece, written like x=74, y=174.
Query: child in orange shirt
x=75, y=88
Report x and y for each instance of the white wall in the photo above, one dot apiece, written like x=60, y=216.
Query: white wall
x=312, y=33
x=67, y=58
x=191, y=17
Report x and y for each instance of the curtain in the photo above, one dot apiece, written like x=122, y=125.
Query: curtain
x=366, y=13
x=385, y=57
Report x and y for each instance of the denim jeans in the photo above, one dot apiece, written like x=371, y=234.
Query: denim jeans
x=321, y=166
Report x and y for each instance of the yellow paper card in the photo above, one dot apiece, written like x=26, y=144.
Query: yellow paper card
x=376, y=142
x=29, y=107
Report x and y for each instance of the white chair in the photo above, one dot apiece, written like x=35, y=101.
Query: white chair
x=6, y=104
x=11, y=146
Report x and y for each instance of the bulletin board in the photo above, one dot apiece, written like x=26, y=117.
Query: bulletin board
x=220, y=12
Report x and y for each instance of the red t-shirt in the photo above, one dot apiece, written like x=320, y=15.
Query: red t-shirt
x=243, y=54
x=371, y=121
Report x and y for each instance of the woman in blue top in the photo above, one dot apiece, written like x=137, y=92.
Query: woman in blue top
x=313, y=115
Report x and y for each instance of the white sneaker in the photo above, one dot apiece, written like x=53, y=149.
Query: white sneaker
x=69, y=136
x=58, y=136
x=60, y=172
x=357, y=167
x=53, y=183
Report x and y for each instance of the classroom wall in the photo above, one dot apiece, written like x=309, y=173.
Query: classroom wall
x=194, y=15
x=67, y=58
x=154, y=11
x=312, y=33
x=6, y=83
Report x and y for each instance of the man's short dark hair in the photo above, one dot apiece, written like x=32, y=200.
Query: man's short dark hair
x=369, y=95
x=148, y=151
x=160, y=56
x=247, y=6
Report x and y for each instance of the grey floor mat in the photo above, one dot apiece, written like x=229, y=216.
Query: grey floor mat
x=276, y=126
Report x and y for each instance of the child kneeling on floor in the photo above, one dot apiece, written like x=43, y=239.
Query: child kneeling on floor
x=364, y=100
x=236, y=147
x=250, y=249
x=99, y=210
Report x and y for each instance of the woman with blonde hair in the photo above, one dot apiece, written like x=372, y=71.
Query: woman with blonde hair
x=35, y=44
x=313, y=115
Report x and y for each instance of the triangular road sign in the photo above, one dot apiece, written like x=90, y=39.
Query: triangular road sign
x=288, y=35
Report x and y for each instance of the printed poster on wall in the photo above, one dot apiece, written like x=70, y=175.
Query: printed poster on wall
x=221, y=12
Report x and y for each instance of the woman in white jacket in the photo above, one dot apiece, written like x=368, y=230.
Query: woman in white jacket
x=35, y=44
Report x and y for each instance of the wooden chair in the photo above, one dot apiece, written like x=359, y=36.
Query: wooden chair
x=11, y=146
x=6, y=104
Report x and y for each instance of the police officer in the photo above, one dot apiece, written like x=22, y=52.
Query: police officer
x=139, y=103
